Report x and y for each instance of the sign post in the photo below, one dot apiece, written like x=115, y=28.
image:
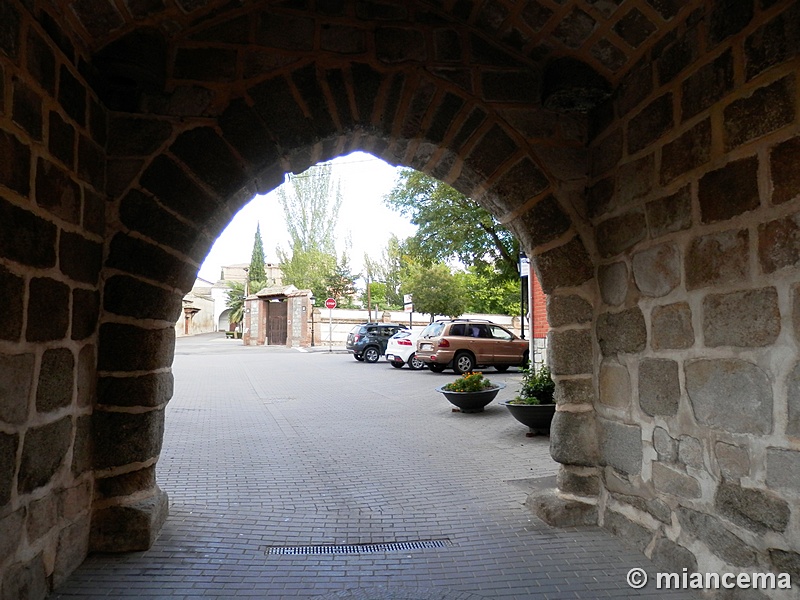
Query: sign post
x=330, y=304
x=408, y=306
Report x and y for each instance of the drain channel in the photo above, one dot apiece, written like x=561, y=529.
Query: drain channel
x=359, y=548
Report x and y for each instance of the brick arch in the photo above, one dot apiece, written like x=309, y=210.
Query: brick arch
x=177, y=183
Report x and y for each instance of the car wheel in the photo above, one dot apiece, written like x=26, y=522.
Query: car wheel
x=526, y=359
x=371, y=354
x=463, y=363
x=396, y=364
x=436, y=368
x=501, y=368
x=415, y=363
x=358, y=357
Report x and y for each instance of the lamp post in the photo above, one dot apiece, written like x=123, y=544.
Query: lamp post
x=524, y=270
x=246, y=294
x=311, y=299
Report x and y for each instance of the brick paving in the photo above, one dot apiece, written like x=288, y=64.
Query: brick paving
x=271, y=447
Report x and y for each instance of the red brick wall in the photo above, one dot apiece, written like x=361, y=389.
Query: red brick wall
x=538, y=309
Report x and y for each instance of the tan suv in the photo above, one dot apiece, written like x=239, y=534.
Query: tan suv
x=466, y=344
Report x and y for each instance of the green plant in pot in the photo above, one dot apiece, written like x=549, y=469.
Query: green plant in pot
x=471, y=392
x=534, y=406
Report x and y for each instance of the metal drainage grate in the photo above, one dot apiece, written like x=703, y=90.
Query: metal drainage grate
x=359, y=548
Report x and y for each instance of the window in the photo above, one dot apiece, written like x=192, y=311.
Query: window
x=500, y=333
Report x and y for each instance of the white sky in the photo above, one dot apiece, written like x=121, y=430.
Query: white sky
x=365, y=180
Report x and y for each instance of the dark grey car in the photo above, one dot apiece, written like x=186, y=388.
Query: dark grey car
x=367, y=342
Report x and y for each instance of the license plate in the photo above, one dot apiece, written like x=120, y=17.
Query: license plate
x=426, y=347
x=390, y=357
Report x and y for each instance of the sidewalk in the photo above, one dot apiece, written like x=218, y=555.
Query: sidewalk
x=268, y=451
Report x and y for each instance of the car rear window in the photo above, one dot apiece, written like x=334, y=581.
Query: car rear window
x=432, y=330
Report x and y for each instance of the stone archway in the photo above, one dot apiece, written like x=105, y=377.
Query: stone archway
x=662, y=222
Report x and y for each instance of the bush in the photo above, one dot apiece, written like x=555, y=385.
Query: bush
x=469, y=382
x=537, y=387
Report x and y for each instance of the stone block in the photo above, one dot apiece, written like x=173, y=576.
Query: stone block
x=396, y=45
x=578, y=482
x=629, y=532
x=779, y=243
x=733, y=461
x=151, y=390
x=132, y=297
x=94, y=212
x=73, y=546
x=15, y=172
x=91, y=163
x=622, y=332
x=56, y=380
x=657, y=270
x=669, y=214
x=665, y=445
x=599, y=197
x=570, y=352
x=707, y=86
x=72, y=95
x=729, y=191
x=717, y=258
x=61, y=139
x=343, y=40
x=567, y=310
x=671, y=327
x=38, y=247
x=11, y=532
x=82, y=448
x=634, y=28
x=287, y=32
x=79, y=258
x=607, y=153
x=621, y=446
x=9, y=443
x=211, y=159
x=574, y=28
x=490, y=152
x=573, y=438
x=783, y=470
x=659, y=387
x=652, y=506
x=446, y=113
x=143, y=214
x=245, y=132
x=12, y=290
x=75, y=501
x=675, y=482
x=675, y=53
x=124, y=438
x=743, y=319
x=673, y=557
x=690, y=452
x=561, y=512
x=131, y=135
x=613, y=281
x=205, y=64
x=26, y=109
x=785, y=175
x=43, y=453
x=634, y=180
x=42, y=517
x=85, y=313
x=129, y=527
x=574, y=391
x=137, y=257
x=753, y=509
x=726, y=20
x=767, y=109
x=785, y=561
x=86, y=376
x=615, y=384
x=57, y=192
x=10, y=24
x=650, y=124
x=543, y=223
x=617, y=234
x=773, y=43
x=634, y=87
x=48, y=310
x=16, y=381
x=793, y=397
x=730, y=394
x=126, y=484
x=688, y=152
x=26, y=580
x=130, y=348
x=716, y=537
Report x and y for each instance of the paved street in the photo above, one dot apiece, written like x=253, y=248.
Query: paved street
x=267, y=449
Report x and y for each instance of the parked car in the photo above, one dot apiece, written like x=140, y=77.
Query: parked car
x=367, y=342
x=465, y=344
x=402, y=349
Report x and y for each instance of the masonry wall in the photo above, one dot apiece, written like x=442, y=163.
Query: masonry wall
x=52, y=222
x=693, y=339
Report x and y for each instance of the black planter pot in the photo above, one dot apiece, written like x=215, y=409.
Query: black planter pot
x=472, y=402
x=535, y=416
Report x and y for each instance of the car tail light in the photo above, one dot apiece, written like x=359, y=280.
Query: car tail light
x=403, y=342
x=444, y=344
x=356, y=338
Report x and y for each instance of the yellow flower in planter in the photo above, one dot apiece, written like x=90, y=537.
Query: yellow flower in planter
x=469, y=382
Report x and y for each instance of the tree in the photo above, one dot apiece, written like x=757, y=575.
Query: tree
x=451, y=225
x=308, y=270
x=235, y=301
x=257, y=273
x=488, y=292
x=436, y=291
x=341, y=282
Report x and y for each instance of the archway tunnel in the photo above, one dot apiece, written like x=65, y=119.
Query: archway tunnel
x=642, y=151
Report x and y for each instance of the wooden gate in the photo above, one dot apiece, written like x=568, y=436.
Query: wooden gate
x=277, y=323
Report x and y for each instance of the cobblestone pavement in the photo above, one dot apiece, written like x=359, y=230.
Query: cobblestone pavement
x=267, y=448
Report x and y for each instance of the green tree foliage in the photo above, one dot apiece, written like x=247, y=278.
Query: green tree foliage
x=451, y=225
x=388, y=270
x=235, y=301
x=257, y=273
x=311, y=202
x=341, y=282
x=489, y=292
x=436, y=291
x=377, y=296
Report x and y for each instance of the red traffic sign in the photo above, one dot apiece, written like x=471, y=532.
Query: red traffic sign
x=330, y=303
